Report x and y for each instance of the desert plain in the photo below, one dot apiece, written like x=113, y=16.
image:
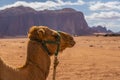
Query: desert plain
x=92, y=58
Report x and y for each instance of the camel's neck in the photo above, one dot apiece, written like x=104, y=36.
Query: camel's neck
x=36, y=53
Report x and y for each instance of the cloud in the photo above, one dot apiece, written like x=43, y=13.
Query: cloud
x=104, y=16
x=109, y=19
x=105, y=24
x=114, y=26
x=112, y=5
x=44, y=5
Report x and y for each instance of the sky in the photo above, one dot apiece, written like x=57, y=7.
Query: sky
x=96, y=12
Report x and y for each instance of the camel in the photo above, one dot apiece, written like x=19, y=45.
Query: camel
x=38, y=59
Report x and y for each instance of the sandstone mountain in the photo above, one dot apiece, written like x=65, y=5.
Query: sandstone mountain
x=101, y=29
x=16, y=21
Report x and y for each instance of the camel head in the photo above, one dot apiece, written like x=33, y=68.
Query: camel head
x=43, y=33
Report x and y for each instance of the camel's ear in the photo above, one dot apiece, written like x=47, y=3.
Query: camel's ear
x=41, y=32
x=31, y=32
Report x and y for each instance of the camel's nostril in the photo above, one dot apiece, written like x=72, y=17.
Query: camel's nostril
x=73, y=43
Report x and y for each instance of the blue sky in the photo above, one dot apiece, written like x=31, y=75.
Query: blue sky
x=96, y=12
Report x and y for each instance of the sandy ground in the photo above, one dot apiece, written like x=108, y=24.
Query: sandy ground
x=92, y=58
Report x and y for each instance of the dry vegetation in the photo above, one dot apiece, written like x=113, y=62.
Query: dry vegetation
x=92, y=58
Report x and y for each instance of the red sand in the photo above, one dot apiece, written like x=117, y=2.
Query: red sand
x=92, y=58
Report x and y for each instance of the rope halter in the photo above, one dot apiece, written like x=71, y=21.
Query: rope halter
x=57, y=42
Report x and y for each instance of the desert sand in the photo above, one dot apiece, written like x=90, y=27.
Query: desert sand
x=92, y=58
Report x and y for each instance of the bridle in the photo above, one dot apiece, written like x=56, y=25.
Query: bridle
x=57, y=42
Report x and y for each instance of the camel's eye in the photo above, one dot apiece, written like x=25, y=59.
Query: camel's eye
x=71, y=38
x=55, y=36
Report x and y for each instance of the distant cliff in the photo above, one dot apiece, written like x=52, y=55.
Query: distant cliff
x=16, y=21
x=101, y=29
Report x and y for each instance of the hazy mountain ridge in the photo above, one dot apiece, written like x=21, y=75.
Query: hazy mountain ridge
x=17, y=20
x=101, y=29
